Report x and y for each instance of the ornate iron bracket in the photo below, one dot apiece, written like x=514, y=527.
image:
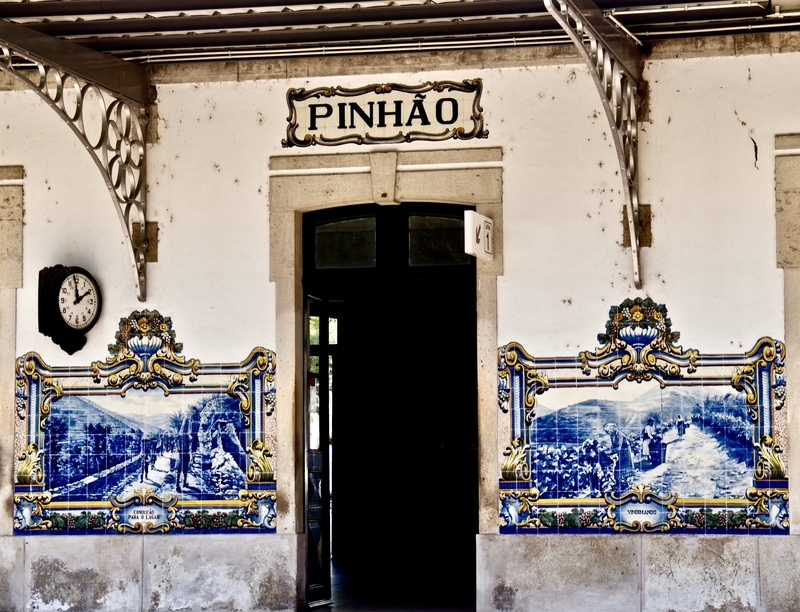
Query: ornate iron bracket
x=613, y=61
x=101, y=99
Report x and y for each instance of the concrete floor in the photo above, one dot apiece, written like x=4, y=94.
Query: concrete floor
x=347, y=597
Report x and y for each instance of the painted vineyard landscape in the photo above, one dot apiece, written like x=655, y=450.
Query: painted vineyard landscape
x=107, y=446
x=696, y=442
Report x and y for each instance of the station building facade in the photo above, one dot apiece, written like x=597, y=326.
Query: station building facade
x=555, y=314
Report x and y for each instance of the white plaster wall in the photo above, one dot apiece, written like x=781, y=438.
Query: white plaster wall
x=707, y=116
x=68, y=219
x=212, y=274
x=208, y=180
x=556, y=149
x=208, y=192
x=712, y=261
x=713, y=255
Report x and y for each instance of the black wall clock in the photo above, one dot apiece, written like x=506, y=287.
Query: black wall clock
x=70, y=302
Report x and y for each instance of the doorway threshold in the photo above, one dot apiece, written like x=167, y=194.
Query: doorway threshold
x=347, y=597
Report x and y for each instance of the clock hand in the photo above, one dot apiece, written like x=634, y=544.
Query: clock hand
x=83, y=296
x=75, y=282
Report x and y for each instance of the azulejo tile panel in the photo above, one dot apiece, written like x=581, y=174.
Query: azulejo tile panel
x=643, y=435
x=146, y=440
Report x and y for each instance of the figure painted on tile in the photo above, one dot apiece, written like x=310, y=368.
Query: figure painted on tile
x=621, y=446
x=681, y=425
x=145, y=459
x=648, y=435
x=150, y=452
x=187, y=445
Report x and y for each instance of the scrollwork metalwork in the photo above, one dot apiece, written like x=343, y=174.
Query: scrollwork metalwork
x=619, y=95
x=116, y=145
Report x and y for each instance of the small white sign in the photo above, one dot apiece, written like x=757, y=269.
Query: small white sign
x=478, y=235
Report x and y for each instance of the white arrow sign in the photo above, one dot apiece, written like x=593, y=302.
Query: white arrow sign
x=478, y=235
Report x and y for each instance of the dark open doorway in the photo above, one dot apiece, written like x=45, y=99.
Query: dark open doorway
x=393, y=386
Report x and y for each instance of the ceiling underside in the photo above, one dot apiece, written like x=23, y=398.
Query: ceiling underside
x=155, y=31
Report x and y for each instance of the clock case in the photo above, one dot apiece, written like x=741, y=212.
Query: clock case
x=51, y=323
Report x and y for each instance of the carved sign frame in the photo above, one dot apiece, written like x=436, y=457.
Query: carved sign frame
x=416, y=93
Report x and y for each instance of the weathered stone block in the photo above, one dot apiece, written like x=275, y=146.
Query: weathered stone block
x=787, y=210
x=11, y=574
x=473, y=186
x=248, y=573
x=11, y=173
x=779, y=565
x=787, y=141
x=262, y=70
x=383, y=172
x=557, y=573
x=458, y=156
x=699, y=573
x=761, y=42
x=10, y=201
x=318, y=162
x=712, y=46
x=790, y=42
x=10, y=254
x=83, y=573
x=207, y=72
x=335, y=190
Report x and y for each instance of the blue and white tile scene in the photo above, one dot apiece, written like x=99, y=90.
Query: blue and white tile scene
x=146, y=441
x=642, y=435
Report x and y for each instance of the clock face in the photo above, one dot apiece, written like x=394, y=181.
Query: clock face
x=78, y=300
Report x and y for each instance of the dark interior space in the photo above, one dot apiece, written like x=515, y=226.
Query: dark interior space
x=404, y=403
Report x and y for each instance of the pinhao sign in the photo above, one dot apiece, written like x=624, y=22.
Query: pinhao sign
x=387, y=113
